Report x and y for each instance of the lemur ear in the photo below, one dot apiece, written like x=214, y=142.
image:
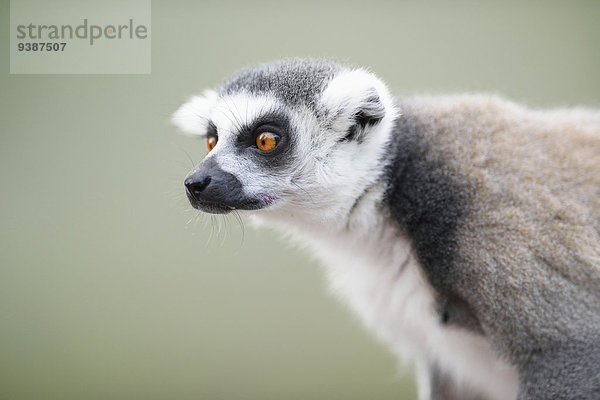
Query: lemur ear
x=193, y=116
x=353, y=101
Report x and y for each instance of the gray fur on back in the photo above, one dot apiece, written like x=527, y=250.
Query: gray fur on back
x=294, y=81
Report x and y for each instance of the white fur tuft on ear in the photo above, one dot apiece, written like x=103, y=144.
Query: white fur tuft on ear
x=356, y=97
x=193, y=116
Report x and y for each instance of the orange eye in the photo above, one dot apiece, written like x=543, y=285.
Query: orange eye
x=211, y=142
x=267, y=141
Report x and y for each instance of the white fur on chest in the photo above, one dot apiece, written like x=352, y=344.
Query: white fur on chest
x=383, y=284
x=372, y=268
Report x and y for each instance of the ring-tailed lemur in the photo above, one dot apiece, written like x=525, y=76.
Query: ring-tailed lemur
x=464, y=230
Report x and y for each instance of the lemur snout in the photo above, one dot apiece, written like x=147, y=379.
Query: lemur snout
x=213, y=190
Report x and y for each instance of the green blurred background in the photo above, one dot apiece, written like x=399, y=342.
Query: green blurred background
x=109, y=291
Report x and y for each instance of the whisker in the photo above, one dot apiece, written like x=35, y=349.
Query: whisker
x=238, y=218
x=212, y=230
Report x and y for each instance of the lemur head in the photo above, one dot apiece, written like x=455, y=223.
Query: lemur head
x=300, y=138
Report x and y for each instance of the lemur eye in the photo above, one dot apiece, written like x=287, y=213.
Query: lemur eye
x=211, y=142
x=267, y=141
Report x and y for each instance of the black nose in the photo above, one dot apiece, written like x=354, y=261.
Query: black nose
x=196, y=186
x=213, y=190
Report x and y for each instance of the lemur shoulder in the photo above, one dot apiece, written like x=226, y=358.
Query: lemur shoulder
x=464, y=230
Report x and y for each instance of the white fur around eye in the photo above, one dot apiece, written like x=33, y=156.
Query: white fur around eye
x=192, y=116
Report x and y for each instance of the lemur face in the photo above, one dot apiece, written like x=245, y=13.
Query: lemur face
x=297, y=136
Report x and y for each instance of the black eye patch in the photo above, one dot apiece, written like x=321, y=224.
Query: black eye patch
x=211, y=129
x=273, y=122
